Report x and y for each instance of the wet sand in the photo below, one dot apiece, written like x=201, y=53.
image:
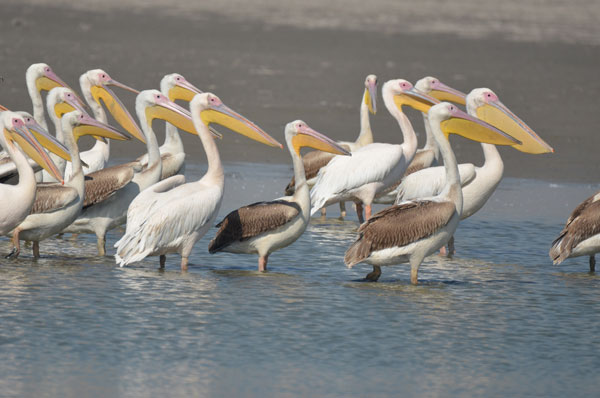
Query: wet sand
x=275, y=73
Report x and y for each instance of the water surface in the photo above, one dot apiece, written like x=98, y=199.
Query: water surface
x=497, y=320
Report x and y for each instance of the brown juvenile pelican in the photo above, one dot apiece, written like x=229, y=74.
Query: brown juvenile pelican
x=581, y=234
x=264, y=227
x=412, y=230
x=170, y=216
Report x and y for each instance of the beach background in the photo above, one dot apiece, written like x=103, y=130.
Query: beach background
x=496, y=320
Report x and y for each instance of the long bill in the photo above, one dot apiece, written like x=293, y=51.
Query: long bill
x=87, y=125
x=307, y=137
x=498, y=115
x=50, y=80
x=442, y=92
x=371, y=97
x=46, y=140
x=117, y=109
x=186, y=91
x=226, y=117
x=25, y=139
x=475, y=129
x=415, y=99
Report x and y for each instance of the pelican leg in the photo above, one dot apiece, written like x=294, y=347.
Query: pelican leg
x=36, y=249
x=592, y=263
x=342, y=210
x=262, y=263
x=374, y=275
x=323, y=212
x=415, y=263
x=101, y=245
x=359, y=212
x=184, y=263
x=451, y=249
x=16, y=245
x=367, y=212
x=163, y=260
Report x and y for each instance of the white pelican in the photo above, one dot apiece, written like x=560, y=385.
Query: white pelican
x=40, y=77
x=412, y=230
x=581, y=234
x=172, y=154
x=314, y=161
x=170, y=216
x=479, y=183
x=94, y=86
x=111, y=190
x=18, y=199
x=264, y=227
x=426, y=156
x=374, y=167
x=57, y=205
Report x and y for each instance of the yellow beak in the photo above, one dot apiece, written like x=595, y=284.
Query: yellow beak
x=475, y=129
x=415, y=99
x=25, y=139
x=117, y=110
x=226, y=117
x=308, y=137
x=498, y=115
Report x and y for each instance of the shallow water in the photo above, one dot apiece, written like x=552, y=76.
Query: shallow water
x=496, y=320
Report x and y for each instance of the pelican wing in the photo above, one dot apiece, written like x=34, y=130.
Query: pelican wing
x=313, y=161
x=102, y=184
x=165, y=217
x=583, y=223
x=371, y=163
x=51, y=197
x=399, y=225
x=429, y=182
x=423, y=159
x=253, y=220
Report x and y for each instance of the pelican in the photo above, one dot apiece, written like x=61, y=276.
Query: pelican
x=412, y=230
x=57, y=205
x=374, y=167
x=265, y=227
x=170, y=216
x=479, y=182
x=111, y=190
x=94, y=86
x=314, y=161
x=426, y=156
x=18, y=199
x=39, y=77
x=581, y=234
x=172, y=154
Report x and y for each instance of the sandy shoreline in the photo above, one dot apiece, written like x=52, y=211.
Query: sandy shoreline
x=273, y=74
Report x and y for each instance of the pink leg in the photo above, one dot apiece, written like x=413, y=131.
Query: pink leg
x=163, y=260
x=367, y=212
x=184, y=263
x=262, y=263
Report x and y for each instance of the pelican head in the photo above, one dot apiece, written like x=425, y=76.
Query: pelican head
x=153, y=104
x=42, y=136
x=80, y=124
x=97, y=82
x=16, y=131
x=63, y=100
x=299, y=135
x=176, y=87
x=211, y=109
x=485, y=104
x=403, y=93
x=44, y=77
x=434, y=87
x=452, y=120
x=371, y=93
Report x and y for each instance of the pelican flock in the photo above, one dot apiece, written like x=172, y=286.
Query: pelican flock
x=49, y=187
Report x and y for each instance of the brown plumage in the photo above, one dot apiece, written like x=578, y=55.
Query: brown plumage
x=398, y=226
x=101, y=184
x=52, y=196
x=313, y=161
x=583, y=223
x=252, y=220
